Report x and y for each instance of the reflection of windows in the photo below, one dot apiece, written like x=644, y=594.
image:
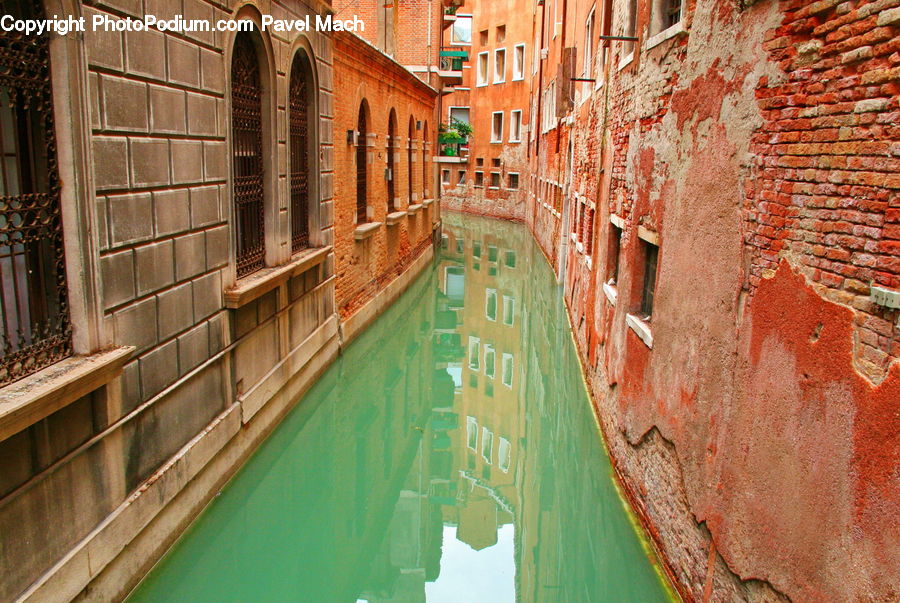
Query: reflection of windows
x=506, y=370
x=504, y=455
x=492, y=253
x=519, y=62
x=455, y=287
x=499, y=65
x=490, y=304
x=487, y=444
x=510, y=259
x=474, y=353
x=509, y=310
x=490, y=361
x=472, y=433
x=476, y=249
x=460, y=245
x=461, y=32
x=482, y=68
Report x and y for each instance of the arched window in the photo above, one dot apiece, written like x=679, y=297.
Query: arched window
x=36, y=330
x=425, y=160
x=361, y=136
x=409, y=159
x=247, y=155
x=391, y=136
x=301, y=148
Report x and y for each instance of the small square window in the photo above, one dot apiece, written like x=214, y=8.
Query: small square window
x=479, y=161
x=495, y=162
x=501, y=33
x=483, y=37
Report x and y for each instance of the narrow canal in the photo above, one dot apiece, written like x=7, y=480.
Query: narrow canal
x=449, y=455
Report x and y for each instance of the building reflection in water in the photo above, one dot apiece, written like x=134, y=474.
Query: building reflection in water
x=449, y=454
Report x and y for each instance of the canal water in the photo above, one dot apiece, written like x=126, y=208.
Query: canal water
x=449, y=455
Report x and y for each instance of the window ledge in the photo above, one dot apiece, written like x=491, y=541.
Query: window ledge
x=641, y=327
x=427, y=202
x=665, y=34
x=611, y=293
x=26, y=401
x=395, y=217
x=366, y=230
x=626, y=60
x=261, y=282
x=413, y=209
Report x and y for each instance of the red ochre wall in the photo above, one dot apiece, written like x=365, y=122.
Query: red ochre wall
x=758, y=436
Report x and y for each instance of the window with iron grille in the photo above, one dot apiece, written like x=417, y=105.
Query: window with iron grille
x=651, y=257
x=301, y=89
x=361, y=136
x=425, y=162
x=36, y=329
x=247, y=158
x=409, y=159
x=389, y=170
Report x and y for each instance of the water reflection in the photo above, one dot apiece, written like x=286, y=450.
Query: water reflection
x=450, y=455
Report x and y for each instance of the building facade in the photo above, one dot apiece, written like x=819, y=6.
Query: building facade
x=170, y=257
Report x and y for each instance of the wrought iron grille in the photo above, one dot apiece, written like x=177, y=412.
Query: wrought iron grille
x=299, y=130
x=361, y=166
x=409, y=162
x=36, y=330
x=247, y=159
x=389, y=174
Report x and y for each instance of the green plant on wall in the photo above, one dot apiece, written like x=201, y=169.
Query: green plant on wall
x=452, y=135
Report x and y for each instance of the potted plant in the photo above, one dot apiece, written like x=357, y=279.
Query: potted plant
x=452, y=136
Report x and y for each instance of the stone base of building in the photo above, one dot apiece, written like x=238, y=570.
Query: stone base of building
x=112, y=559
x=502, y=208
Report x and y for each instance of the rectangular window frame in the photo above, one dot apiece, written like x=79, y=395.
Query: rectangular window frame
x=518, y=62
x=479, y=179
x=509, y=183
x=497, y=135
x=507, y=368
x=471, y=19
x=515, y=125
x=482, y=67
x=499, y=66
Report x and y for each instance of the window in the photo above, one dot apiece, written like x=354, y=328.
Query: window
x=615, y=242
x=482, y=68
x=425, y=163
x=492, y=253
x=506, y=375
x=460, y=246
x=519, y=62
x=510, y=259
x=630, y=25
x=461, y=32
x=474, y=353
x=495, y=179
x=495, y=162
x=476, y=249
x=461, y=179
x=479, y=179
x=548, y=108
x=588, y=45
x=490, y=361
x=302, y=147
x=512, y=181
x=509, y=310
x=499, y=65
x=483, y=37
x=504, y=455
x=651, y=257
x=487, y=444
x=36, y=327
x=479, y=162
x=445, y=176
x=361, y=167
x=497, y=127
x=472, y=433
x=460, y=114
x=490, y=304
x=515, y=125
x=501, y=33
x=389, y=155
x=671, y=13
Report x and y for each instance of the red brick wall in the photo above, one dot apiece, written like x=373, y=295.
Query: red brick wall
x=364, y=267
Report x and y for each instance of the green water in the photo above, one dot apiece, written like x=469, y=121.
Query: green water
x=450, y=454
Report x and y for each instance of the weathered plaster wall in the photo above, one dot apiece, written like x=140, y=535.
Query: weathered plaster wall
x=756, y=435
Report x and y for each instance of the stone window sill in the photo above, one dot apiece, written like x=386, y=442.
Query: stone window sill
x=666, y=34
x=641, y=328
x=394, y=217
x=366, y=230
x=261, y=282
x=648, y=235
x=413, y=209
x=612, y=294
x=26, y=401
x=626, y=60
x=427, y=202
